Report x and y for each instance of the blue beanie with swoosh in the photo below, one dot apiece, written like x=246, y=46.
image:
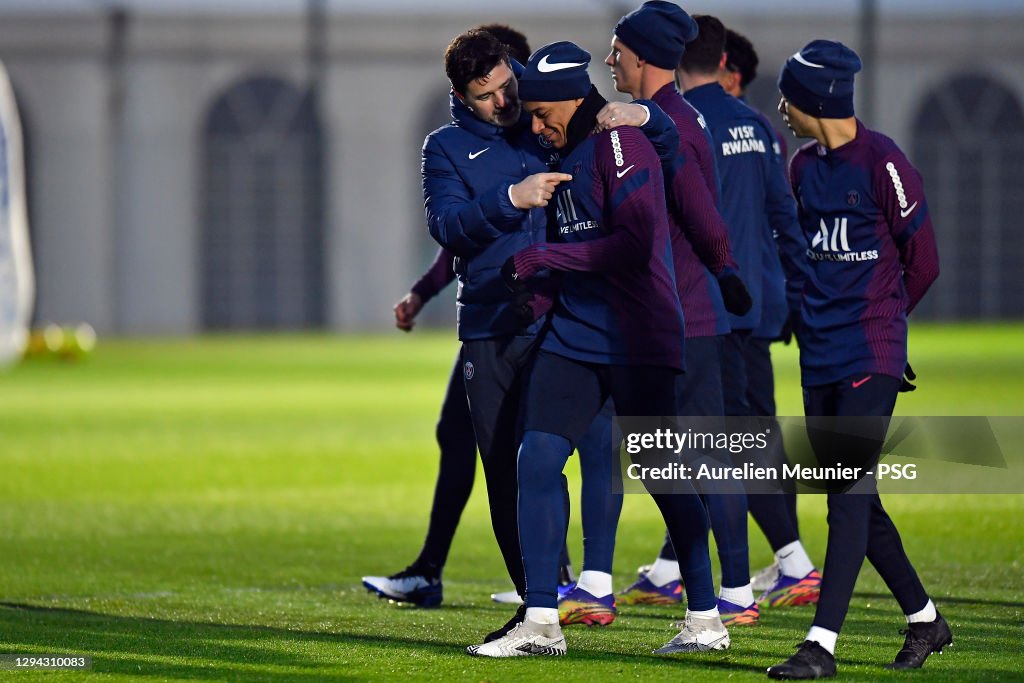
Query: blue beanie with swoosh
x=657, y=32
x=819, y=79
x=555, y=72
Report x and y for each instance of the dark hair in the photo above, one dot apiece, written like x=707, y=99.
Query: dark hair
x=741, y=57
x=472, y=55
x=704, y=53
x=518, y=46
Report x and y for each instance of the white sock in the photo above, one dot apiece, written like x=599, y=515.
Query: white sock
x=663, y=571
x=598, y=584
x=703, y=614
x=793, y=560
x=824, y=637
x=542, y=615
x=742, y=596
x=928, y=614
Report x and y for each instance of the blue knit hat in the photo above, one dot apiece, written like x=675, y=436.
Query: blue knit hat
x=657, y=32
x=819, y=79
x=555, y=72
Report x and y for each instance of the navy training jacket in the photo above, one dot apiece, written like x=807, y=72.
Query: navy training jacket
x=467, y=168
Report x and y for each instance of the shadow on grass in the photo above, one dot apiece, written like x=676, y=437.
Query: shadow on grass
x=152, y=647
x=146, y=646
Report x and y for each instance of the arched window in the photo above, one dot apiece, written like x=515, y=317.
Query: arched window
x=262, y=209
x=969, y=146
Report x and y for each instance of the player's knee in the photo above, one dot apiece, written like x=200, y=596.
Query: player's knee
x=541, y=459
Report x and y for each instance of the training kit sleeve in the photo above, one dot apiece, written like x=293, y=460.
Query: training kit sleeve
x=900, y=190
x=438, y=276
x=693, y=190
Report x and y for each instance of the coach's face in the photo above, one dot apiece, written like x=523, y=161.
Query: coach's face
x=551, y=119
x=494, y=98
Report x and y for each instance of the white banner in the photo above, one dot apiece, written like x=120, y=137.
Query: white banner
x=17, y=282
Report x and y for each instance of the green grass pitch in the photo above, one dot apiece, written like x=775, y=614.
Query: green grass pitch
x=204, y=509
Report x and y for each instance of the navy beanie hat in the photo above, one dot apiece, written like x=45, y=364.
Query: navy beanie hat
x=819, y=79
x=657, y=32
x=555, y=72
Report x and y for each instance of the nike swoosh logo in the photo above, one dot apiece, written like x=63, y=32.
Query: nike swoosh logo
x=619, y=174
x=546, y=67
x=859, y=383
x=800, y=58
x=474, y=155
x=782, y=557
x=904, y=214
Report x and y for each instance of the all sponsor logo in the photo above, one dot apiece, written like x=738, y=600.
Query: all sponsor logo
x=565, y=207
x=568, y=218
x=839, y=236
x=832, y=243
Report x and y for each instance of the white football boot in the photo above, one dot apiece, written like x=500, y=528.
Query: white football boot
x=528, y=638
x=699, y=634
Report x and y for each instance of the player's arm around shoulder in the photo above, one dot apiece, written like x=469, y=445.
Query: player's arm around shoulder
x=660, y=130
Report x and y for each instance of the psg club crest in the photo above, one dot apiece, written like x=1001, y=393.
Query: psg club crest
x=852, y=198
x=543, y=142
x=468, y=370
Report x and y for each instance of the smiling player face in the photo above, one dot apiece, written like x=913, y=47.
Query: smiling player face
x=551, y=119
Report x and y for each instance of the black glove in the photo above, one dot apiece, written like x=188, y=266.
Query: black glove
x=908, y=375
x=790, y=327
x=522, y=309
x=510, y=277
x=734, y=294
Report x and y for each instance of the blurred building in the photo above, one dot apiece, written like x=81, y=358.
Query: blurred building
x=249, y=164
